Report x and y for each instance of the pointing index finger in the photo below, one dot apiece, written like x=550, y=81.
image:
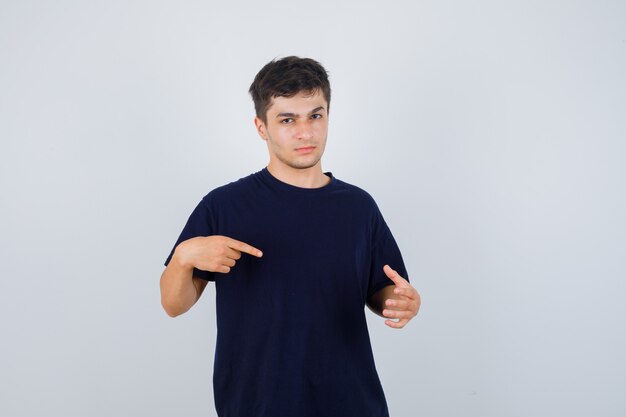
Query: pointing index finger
x=244, y=247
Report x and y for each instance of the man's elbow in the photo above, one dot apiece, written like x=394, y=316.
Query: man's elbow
x=172, y=309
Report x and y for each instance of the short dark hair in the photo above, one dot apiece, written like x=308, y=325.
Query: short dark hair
x=286, y=78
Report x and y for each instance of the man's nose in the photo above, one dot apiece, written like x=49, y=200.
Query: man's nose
x=305, y=131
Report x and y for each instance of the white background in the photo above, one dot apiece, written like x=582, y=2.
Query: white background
x=491, y=134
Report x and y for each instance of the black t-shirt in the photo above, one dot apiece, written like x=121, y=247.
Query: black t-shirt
x=292, y=338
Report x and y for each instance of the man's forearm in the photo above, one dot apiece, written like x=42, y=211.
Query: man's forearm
x=178, y=292
x=376, y=303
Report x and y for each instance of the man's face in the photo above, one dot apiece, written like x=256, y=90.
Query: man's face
x=296, y=130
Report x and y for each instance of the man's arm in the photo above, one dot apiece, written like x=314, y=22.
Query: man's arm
x=376, y=302
x=179, y=290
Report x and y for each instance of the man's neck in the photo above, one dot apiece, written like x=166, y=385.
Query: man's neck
x=305, y=178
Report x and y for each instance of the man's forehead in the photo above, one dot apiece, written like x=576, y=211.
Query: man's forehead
x=303, y=101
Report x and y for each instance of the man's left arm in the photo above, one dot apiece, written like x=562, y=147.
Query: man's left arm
x=399, y=301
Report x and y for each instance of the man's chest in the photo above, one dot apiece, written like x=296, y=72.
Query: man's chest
x=311, y=251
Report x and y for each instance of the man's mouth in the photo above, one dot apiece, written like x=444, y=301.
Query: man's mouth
x=305, y=149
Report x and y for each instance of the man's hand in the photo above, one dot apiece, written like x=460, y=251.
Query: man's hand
x=213, y=253
x=403, y=304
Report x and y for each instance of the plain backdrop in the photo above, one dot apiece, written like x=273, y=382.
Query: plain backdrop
x=491, y=134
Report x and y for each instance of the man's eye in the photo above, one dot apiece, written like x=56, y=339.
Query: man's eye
x=317, y=114
x=284, y=121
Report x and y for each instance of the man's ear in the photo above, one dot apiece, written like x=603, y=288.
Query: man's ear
x=260, y=127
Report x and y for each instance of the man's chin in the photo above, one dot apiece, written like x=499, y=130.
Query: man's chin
x=300, y=164
x=305, y=165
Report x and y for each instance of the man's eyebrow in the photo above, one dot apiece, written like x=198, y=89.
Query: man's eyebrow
x=315, y=110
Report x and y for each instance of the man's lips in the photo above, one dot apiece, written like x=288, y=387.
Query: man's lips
x=305, y=149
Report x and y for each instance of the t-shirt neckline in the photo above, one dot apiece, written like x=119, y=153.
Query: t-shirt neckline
x=272, y=180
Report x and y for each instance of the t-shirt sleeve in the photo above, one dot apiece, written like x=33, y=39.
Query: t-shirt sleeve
x=385, y=251
x=198, y=224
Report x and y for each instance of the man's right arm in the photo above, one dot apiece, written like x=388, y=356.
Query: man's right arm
x=179, y=289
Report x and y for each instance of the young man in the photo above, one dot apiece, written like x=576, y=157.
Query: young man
x=295, y=254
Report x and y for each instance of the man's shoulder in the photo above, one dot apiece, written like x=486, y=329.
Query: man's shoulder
x=355, y=192
x=231, y=189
